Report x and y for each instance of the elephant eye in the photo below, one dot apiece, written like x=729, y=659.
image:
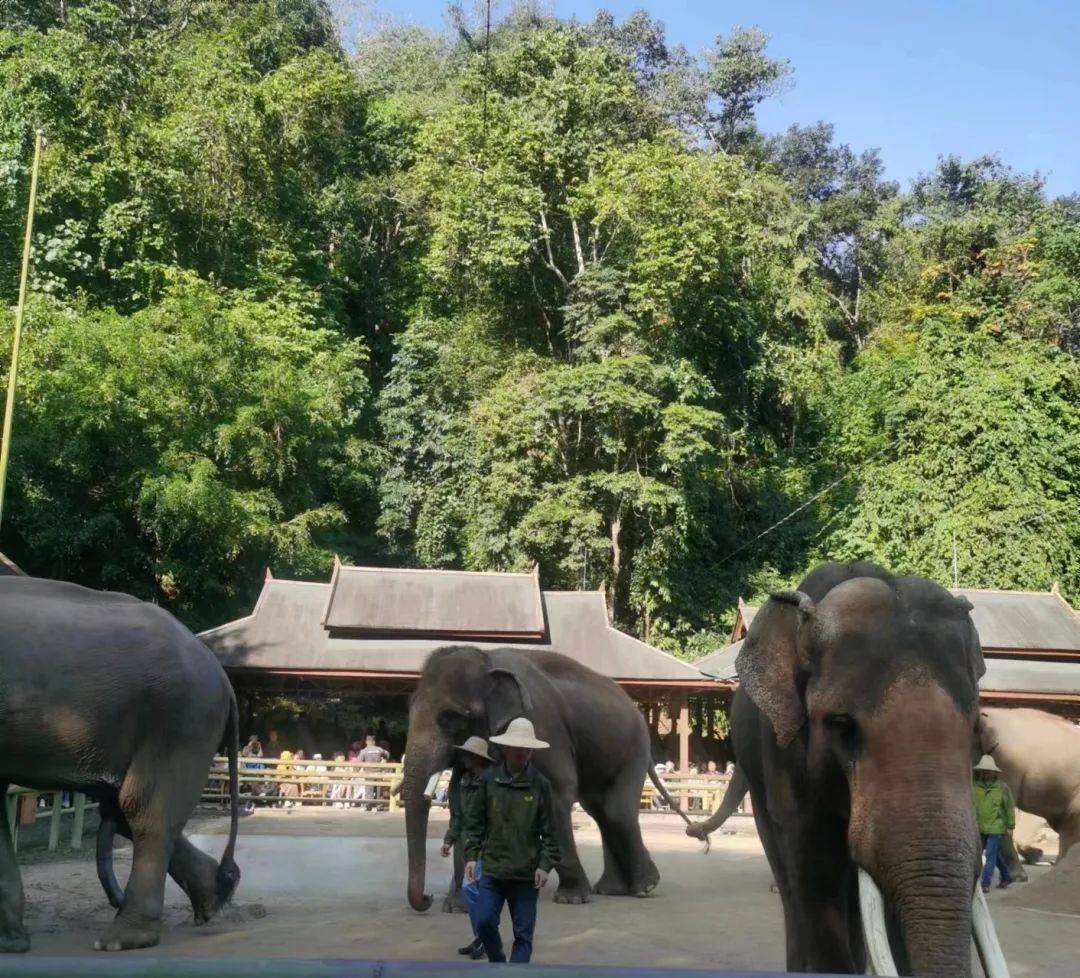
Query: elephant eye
x=843, y=730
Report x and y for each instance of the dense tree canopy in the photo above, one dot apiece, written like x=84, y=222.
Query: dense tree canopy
x=551, y=296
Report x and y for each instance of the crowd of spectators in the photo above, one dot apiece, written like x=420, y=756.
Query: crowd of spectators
x=291, y=786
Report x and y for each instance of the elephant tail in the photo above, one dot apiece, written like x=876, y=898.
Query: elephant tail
x=666, y=795
x=228, y=873
x=734, y=795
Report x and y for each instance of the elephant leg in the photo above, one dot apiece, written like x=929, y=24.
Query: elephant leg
x=196, y=874
x=822, y=887
x=1012, y=859
x=573, y=883
x=13, y=936
x=455, y=899
x=621, y=832
x=612, y=882
x=155, y=804
x=193, y=870
x=1068, y=833
x=768, y=834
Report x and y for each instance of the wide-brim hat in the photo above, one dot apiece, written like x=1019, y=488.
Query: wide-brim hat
x=520, y=733
x=987, y=763
x=475, y=745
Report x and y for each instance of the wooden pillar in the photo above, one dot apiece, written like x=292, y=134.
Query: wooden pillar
x=682, y=701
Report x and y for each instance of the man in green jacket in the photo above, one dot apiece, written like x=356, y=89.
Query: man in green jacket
x=469, y=764
x=510, y=826
x=996, y=815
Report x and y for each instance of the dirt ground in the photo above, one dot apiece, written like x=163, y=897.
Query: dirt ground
x=325, y=883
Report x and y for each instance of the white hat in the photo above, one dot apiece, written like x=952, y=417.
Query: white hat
x=987, y=763
x=520, y=733
x=475, y=745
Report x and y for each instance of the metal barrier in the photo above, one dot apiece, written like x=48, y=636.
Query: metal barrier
x=108, y=966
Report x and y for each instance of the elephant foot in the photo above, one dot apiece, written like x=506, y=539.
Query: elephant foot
x=611, y=885
x=454, y=903
x=574, y=893
x=1030, y=854
x=16, y=942
x=126, y=935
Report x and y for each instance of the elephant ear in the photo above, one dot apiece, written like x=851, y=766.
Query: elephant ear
x=506, y=699
x=976, y=662
x=771, y=659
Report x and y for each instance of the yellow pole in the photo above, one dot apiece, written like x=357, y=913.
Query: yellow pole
x=5, y=445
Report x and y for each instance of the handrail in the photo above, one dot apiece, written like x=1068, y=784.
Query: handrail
x=311, y=782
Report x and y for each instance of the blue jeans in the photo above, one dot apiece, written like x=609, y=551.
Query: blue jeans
x=470, y=892
x=491, y=895
x=994, y=857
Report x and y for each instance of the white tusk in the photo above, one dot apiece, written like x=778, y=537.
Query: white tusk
x=872, y=911
x=986, y=939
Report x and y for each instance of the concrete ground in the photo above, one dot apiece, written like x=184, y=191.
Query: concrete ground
x=325, y=883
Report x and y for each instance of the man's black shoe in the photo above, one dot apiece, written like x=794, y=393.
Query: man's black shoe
x=475, y=950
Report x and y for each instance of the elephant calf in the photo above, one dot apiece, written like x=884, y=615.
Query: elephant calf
x=104, y=694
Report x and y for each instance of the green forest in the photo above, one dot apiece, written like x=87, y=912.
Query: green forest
x=470, y=300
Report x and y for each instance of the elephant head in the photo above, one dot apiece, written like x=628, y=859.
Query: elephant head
x=461, y=693
x=872, y=683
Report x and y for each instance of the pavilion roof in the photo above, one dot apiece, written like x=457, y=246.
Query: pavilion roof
x=290, y=631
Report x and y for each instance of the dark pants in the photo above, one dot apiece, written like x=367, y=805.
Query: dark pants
x=521, y=895
x=994, y=857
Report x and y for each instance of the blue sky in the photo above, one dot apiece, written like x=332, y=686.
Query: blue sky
x=915, y=79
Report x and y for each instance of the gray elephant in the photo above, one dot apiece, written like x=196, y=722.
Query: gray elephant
x=854, y=727
x=599, y=755
x=104, y=694
x=1039, y=757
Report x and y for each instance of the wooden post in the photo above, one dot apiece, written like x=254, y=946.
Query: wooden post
x=683, y=703
x=11, y=809
x=54, y=823
x=79, y=801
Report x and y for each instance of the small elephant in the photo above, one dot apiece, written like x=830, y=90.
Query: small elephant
x=1039, y=757
x=854, y=726
x=113, y=697
x=599, y=755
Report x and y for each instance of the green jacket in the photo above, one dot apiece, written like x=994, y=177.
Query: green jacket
x=994, y=808
x=462, y=795
x=511, y=825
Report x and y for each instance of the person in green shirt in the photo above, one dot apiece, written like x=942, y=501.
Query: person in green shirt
x=996, y=815
x=470, y=762
x=510, y=826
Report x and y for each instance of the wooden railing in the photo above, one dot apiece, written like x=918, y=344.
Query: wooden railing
x=270, y=782
x=267, y=782
x=18, y=798
x=696, y=793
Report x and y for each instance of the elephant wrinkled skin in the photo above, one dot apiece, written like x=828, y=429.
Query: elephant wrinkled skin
x=599, y=754
x=854, y=725
x=113, y=697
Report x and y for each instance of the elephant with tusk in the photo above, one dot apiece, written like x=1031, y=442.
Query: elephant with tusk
x=855, y=729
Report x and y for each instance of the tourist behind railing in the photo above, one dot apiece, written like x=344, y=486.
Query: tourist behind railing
x=288, y=790
x=371, y=754
x=339, y=790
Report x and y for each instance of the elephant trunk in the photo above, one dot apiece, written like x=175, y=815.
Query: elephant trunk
x=925, y=867
x=419, y=766
x=930, y=898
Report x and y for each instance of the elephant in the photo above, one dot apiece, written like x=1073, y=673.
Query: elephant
x=854, y=729
x=1039, y=757
x=110, y=696
x=599, y=755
